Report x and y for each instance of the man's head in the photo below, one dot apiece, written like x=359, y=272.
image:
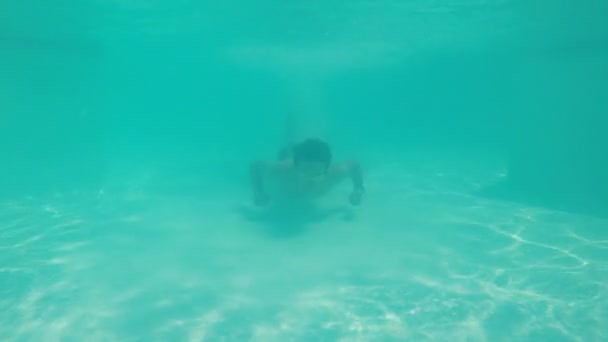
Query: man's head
x=312, y=157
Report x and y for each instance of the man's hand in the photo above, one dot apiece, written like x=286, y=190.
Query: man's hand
x=355, y=197
x=354, y=170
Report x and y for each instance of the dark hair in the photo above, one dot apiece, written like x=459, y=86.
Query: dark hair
x=312, y=150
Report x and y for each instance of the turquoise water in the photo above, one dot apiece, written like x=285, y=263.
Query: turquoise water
x=127, y=129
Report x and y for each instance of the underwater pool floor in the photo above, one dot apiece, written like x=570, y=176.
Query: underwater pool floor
x=422, y=259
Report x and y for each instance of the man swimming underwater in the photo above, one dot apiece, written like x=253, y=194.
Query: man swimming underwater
x=305, y=171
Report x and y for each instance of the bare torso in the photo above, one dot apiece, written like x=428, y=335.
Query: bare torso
x=294, y=183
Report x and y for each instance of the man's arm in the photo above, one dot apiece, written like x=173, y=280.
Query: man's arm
x=352, y=170
x=357, y=178
x=356, y=175
x=257, y=171
x=256, y=174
